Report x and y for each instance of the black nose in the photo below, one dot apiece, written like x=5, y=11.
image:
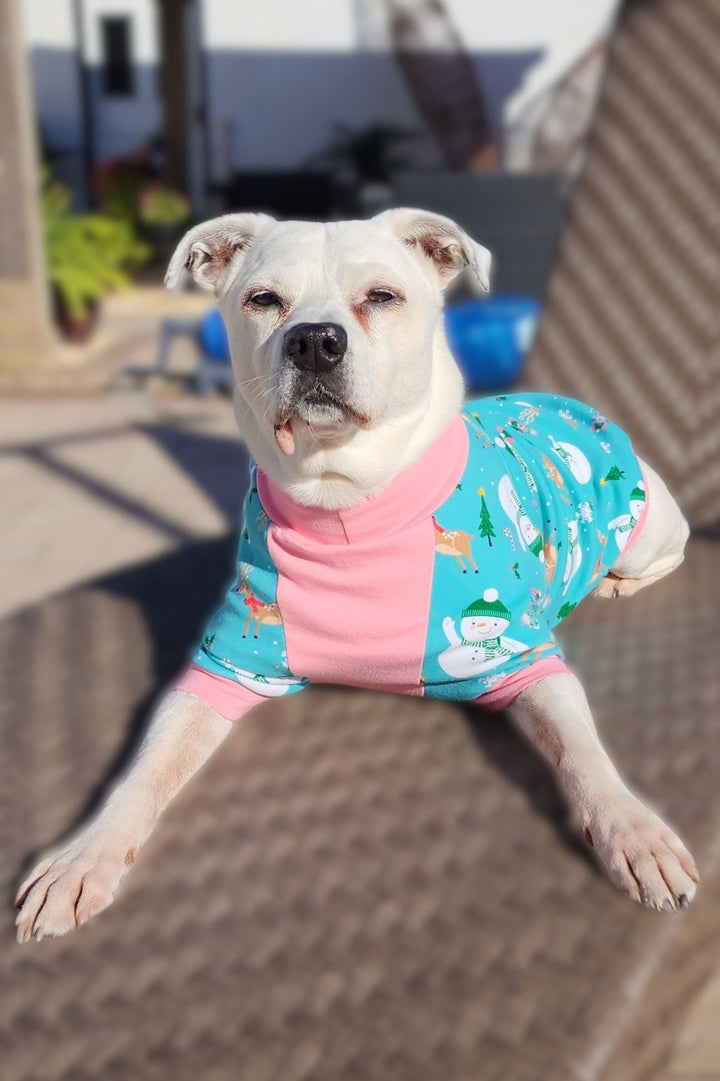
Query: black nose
x=315, y=347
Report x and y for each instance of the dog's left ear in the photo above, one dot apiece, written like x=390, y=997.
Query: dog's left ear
x=442, y=241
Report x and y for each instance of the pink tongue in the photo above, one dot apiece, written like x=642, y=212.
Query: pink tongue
x=284, y=438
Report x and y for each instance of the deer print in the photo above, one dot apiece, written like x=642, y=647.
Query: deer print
x=453, y=542
x=260, y=612
x=553, y=473
x=599, y=570
x=551, y=555
x=531, y=655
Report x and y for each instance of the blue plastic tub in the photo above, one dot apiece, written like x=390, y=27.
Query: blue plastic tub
x=213, y=336
x=490, y=338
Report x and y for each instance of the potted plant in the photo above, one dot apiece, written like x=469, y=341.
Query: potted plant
x=163, y=213
x=87, y=256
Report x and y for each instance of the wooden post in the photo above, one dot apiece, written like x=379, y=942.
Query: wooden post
x=26, y=338
x=175, y=89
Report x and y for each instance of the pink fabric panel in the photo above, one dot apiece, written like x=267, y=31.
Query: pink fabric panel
x=505, y=693
x=385, y=546
x=228, y=698
x=374, y=638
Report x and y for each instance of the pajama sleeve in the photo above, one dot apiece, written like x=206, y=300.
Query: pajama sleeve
x=242, y=655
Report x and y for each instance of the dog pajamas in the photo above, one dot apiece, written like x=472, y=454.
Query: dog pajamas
x=447, y=583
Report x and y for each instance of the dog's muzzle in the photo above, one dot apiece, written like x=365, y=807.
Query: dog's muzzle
x=315, y=347
x=314, y=382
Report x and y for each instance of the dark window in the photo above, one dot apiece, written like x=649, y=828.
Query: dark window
x=116, y=55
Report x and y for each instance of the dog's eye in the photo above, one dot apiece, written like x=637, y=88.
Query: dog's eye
x=266, y=299
x=381, y=296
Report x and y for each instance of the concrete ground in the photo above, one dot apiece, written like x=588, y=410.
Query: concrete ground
x=103, y=466
x=112, y=474
x=90, y=486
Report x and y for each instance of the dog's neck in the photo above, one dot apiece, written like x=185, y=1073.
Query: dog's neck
x=339, y=474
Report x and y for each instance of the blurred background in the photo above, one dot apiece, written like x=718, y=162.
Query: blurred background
x=577, y=141
x=125, y=123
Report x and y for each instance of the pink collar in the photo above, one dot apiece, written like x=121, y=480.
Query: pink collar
x=414, y=495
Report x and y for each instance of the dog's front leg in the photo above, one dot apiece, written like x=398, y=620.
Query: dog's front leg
x=641, y=854
x=79, y=879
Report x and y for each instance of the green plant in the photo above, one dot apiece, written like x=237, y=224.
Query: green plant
x=160, y=205
x=87, y=254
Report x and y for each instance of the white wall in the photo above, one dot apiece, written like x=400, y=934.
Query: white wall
x=280, y=25
x=120, y=123
x=48, y=23
x=124, y=123
x=280, y=72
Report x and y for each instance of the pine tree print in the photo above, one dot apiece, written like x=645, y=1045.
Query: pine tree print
x=566, y=609
x=486, y=526
x=613, y=474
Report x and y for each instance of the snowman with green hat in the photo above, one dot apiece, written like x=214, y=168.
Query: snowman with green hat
x=528, y=534
x=625, y=523
x=481, y=644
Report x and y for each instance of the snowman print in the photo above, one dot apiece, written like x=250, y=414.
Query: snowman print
x=481, y=644
x=573, y=559
x=272, y=686
x=527, y=533
x=574, y=459
x=625, y=523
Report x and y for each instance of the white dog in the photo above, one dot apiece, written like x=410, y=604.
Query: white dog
x=349, y=401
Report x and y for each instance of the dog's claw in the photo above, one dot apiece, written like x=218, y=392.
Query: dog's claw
x=642, y=856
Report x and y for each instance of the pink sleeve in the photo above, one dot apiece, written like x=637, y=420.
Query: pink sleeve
x=230, y=699
x=505, y=693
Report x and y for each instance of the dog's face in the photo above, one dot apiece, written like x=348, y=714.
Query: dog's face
x=333, y=327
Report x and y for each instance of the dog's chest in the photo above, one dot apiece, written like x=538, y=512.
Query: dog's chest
x=355, y=614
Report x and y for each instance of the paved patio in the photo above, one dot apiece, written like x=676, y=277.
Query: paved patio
x=91, y=486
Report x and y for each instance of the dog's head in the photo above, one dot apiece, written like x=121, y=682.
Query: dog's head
x=333, y=328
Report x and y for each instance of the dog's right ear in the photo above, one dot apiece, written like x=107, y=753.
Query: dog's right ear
x=208, y=250
x=441, y=240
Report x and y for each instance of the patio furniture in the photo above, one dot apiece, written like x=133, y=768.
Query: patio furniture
x=213, y=370
x=519, y=217
x=631, y=320
x=358, y=886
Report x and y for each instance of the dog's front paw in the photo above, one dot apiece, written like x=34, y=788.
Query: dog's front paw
x=611, y=587
x=69, y=886
x=642, y=855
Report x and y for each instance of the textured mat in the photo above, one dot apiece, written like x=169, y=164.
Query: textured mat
x=631, y=322
x=357, y=887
